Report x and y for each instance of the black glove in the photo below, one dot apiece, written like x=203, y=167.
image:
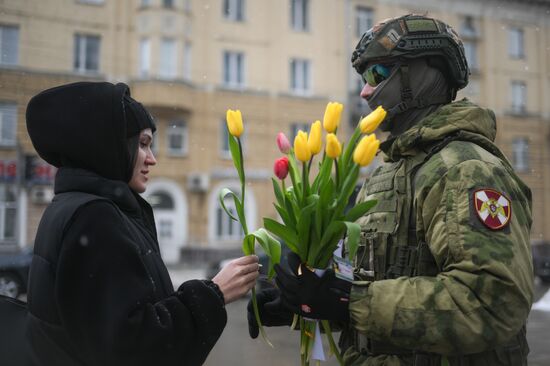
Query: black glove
x=272, y=312
x=325, y=297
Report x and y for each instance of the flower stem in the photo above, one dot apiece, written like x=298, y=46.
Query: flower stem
x=243, y=186
x=337, y=174
x=304, y=183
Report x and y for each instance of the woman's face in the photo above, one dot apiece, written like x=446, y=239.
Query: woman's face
x=144, y=160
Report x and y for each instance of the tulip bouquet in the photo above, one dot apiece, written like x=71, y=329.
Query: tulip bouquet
x=313, y=211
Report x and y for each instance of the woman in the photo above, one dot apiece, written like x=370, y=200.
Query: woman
x=99, y=292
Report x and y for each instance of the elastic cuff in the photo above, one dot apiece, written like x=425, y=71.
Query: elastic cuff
x=214, y=286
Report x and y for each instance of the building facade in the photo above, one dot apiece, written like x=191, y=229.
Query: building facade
x=278, y=61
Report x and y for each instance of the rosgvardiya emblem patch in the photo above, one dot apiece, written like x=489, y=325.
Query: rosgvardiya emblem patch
x=492, y=208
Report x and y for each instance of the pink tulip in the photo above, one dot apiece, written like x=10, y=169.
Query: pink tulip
x=280, y=168
x=283, y=143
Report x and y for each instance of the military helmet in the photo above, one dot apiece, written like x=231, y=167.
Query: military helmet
x=415, y=36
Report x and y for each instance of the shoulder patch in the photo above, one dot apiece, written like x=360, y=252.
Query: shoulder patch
x=492, y=208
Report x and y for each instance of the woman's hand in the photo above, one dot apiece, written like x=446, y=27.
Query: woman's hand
x=237, y=277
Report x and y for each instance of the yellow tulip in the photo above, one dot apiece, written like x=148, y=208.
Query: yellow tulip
x=314, y=139
x=300, y=147
x=366, y=150
x=333, y=112
x=234, y=122
x=334, y=148
x=371, y=122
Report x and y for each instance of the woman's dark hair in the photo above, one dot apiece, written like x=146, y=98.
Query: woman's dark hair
x=132, y=143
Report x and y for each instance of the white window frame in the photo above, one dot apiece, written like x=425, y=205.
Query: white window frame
x=144, y=57
x=364, y=19
x=300, y=76
x=299, y=15
x=9, y=51
x=168, y=58
x=234, y=10
x=516, y=42
x=81, y=41
x=8, y=115
x=233, y=69
x=520, y=154
x=179, y=129
x=518, y=93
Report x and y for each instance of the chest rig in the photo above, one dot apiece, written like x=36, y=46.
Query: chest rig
x=389, y=245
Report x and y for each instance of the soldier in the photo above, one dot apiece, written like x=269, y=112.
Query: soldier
x=443, y=275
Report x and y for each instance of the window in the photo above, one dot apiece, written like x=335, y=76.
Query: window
x=86, y=53
x=8, y=212
x=9, y=45
x=144, y=57
x=233, y=10
x=8, y=123
x=519, y=97
x=299, y=15
x=176, y=136
x=520, y=154
x=300, y=76
x=161, y=200
x=168, y=3
x=165, y=229
x=364, y=20
x=187, y=57
x=168, y=58
x=94, y=2
x=515, y=43
x=233, y=69
x=295, y=127
x=470, y=50
x=227, y=228
x=145, y=3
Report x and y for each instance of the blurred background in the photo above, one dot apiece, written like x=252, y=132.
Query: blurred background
x=279, y=62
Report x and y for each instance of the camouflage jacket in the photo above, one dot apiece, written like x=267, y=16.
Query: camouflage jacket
x=482, y=291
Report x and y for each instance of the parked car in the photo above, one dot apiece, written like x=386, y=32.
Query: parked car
x=14, y=272
x=541, y=260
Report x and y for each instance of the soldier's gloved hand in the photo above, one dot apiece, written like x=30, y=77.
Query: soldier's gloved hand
x=272, y=312
x=325, y=297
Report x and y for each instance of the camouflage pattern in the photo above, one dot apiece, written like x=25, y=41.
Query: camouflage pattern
x=481, y=291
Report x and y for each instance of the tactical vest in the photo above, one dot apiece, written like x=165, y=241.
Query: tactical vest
x=390, y=247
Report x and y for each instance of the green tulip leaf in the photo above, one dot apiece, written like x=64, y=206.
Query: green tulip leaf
x=359, y=210
x=284, y=233
x=278, y=193
x=271, y=247
x=223, y=193
x=353, y=233
x=248, y=245
x=236, y=154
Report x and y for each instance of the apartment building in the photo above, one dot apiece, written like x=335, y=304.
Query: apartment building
x=278, y=61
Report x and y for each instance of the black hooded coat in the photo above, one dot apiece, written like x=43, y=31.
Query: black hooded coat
x=99, y=292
